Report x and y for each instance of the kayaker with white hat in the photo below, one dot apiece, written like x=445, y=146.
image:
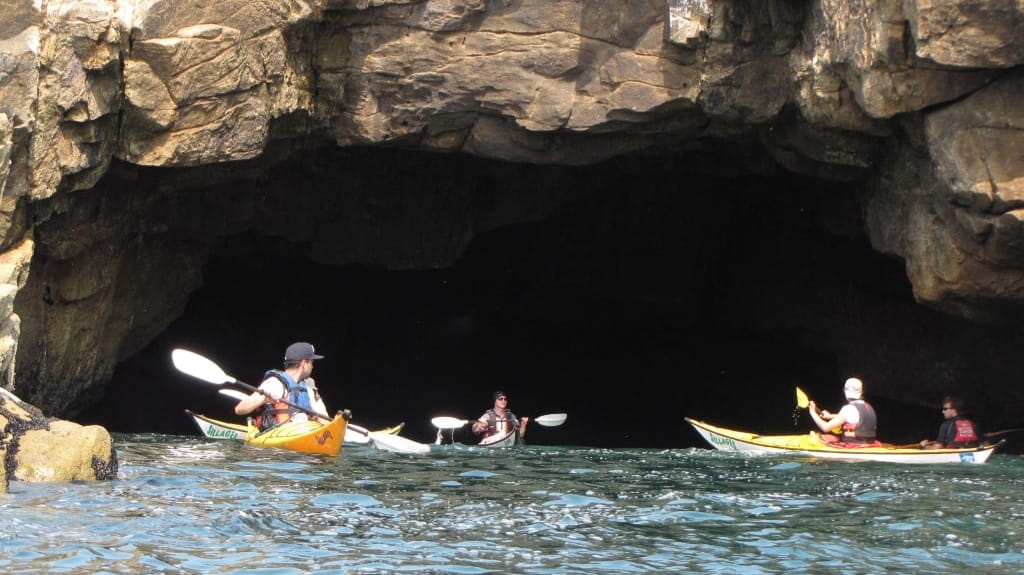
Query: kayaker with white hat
x=855, y=424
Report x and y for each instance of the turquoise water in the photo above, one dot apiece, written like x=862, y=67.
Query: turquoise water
x=189, y=505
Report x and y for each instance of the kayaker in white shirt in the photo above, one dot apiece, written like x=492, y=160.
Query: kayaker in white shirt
x=856, y=422
x=298, y=367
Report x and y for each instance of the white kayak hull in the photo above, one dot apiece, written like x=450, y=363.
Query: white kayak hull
x=500, y=439
x=724, y=439
x=397, y=444
x=216, y=429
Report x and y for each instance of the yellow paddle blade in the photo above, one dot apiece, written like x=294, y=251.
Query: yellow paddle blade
x=801, y=398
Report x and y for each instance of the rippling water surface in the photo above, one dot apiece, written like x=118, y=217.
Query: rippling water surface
x=190, y=505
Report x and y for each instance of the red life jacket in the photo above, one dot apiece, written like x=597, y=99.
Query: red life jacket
x=965, y=432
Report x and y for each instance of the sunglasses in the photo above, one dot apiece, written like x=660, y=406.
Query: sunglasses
x=502, y=399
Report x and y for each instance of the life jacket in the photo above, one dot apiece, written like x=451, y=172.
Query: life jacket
x=278, y=412
x=966, y=434
x=864, y=430
x=500, y=425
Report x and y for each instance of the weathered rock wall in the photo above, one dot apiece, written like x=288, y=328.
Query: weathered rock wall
x=914, y=102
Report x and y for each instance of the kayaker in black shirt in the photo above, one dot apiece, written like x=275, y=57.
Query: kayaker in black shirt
x=956, y=431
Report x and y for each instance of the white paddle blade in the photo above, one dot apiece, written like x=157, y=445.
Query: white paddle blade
x=397, y=443
x=233, y=394
x=551, y=419
x=445, y=422
x=357, y=435
x=199, y=367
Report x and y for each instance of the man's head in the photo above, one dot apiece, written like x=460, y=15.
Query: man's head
x=951, y=406
x=853, y=388
x=299, y=351
x=500, y=398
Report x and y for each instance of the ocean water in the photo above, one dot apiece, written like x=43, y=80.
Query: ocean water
x=193, y=505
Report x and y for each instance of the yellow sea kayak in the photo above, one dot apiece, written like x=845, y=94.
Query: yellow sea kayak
x=725, y=439
x=217, y=429
x=304, y=436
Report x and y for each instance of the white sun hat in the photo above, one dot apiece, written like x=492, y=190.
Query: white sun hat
x=853, y=388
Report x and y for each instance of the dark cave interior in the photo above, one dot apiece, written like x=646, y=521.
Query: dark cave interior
x=629, y=309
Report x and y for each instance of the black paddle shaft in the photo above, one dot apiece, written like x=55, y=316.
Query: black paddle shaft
x=311, y=413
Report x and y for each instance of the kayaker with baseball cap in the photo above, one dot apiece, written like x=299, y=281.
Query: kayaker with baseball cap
x=293, y=385
x=499, y=420
x=856, y=422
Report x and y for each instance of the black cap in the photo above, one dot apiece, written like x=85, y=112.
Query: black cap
x=498, y=394
x=299, y=351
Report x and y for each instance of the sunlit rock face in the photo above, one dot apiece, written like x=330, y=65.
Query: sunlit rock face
x=134, y=136
x=39, y=448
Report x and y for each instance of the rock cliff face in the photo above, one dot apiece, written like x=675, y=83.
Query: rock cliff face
x=913, y=106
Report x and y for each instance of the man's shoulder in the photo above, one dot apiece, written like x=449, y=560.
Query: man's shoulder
x=274, y=375
x=272, y=382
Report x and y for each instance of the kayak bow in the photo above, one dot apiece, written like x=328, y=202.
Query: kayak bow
x=305, y=436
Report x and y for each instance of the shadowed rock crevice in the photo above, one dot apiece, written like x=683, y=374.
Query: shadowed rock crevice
x=641, y=298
